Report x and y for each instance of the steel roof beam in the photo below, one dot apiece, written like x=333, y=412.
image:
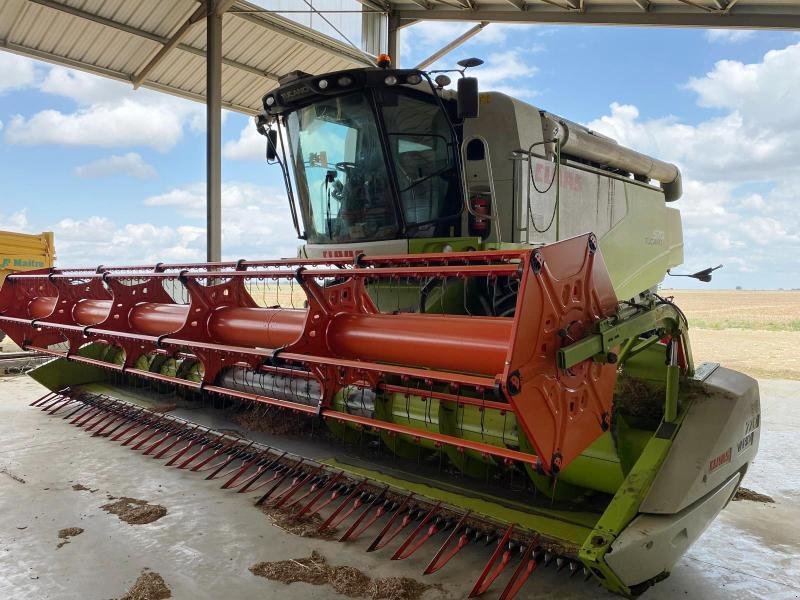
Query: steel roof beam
x=272, y=22
x=197, y=16
x=174, y=41
x=656, y=16
x=470, y=33
x=698, y=5
x=76, y=12
x=730, y=6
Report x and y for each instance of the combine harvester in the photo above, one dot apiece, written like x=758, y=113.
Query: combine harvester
x=493, y=373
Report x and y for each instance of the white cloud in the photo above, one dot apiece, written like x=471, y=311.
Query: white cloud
x=98, y=240
x=502, y=69
x=109, y=114
x=83, y=88
x=250, y=145
x=764, y=92
x=741, y=173
x=16, y=72
x=502, y=72
x=16, y=221
x=439, y=33
x=130, y=165
x=732, y=36
x=255, y=219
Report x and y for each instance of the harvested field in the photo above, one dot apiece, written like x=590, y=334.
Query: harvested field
x=347, y=581
x=135, y=512
x=756, y=332
x=149, y=586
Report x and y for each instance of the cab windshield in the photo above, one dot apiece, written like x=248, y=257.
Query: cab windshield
x=348, y=189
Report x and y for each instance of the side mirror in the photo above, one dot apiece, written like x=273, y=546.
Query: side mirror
x=468, y=97
x=272, y=144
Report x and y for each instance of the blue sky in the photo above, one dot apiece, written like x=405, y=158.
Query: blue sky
x=118, y=175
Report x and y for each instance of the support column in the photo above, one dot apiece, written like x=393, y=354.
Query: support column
x=393, y=41
x=213, y=132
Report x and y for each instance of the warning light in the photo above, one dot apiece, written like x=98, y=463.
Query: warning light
x=384, y=61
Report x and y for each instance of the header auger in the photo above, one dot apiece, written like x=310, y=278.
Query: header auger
x=489, y=369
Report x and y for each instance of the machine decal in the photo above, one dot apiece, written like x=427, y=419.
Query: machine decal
x=750, y=432
x=720, y=460
x=341, y=253
x=656, y=238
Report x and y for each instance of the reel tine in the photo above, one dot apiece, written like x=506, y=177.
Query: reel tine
x=185, y=433
x=328, y=486
x=443, y=556
x=219, y=449
x=490, y=572
x=527, y=565
x=157, y=428
x=171, y=432
x=261, y=470
x=49, y=402
x=410, y=546
x=300, y=481
x=288, y=472
x=356, y=529
x=104, y=418
x=66, y=401
x=116, y=417
x=382, y=539
x=135, y=420
x=83, y=417
x=246, y=464
x=331, y=521
x=146, y=426
x=316, y=482
x=230, y=449
x=42, y=399
x=205, y=443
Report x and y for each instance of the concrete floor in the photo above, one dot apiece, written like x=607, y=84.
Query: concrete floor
x=210, y=537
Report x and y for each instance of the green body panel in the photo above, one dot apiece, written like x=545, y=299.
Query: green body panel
x=433, y=245
x=644, y=244
x=62, y=373
x=625, y=506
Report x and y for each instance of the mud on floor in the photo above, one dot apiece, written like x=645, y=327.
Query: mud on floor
x=16, y=478
x=149, y=586
x=65, y=534
x=134, y=511
x=745, y=494
x=348, y=581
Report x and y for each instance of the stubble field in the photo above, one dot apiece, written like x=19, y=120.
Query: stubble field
x=756, y=332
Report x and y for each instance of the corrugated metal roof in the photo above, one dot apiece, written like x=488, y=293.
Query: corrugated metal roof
x=700, y=13
x=117, y=38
